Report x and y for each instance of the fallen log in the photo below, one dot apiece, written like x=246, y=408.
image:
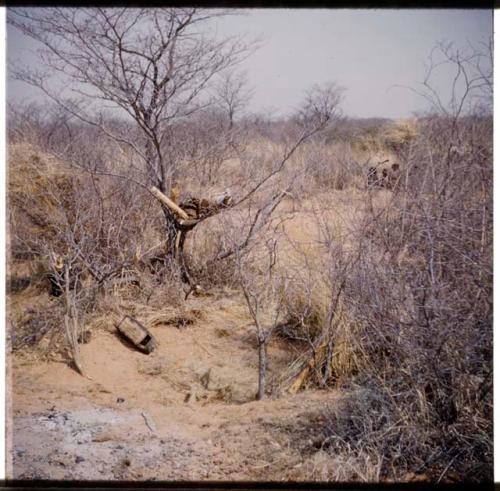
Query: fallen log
x=132, y=330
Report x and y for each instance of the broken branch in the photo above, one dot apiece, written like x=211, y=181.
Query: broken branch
x=169, y=203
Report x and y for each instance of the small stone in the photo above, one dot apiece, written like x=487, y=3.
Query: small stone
x=79, y=459
x=120, y=400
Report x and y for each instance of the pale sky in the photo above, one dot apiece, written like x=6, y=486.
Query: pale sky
x=367, y=51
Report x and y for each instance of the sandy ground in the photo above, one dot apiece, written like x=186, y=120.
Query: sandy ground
x=160, y=416
x=185, y=412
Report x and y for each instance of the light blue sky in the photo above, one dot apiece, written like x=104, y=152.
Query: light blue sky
x=366, y=51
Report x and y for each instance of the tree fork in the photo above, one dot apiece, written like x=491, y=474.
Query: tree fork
x=178, y=230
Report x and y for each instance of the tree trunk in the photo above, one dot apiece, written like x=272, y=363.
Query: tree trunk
x=176, y=231
x=170, y=221
x=171, y=231
x=262, y=369
x=328, y=362
x=179, y=256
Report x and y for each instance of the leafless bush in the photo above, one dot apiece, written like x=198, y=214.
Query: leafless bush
x=152, y=67
x=255, y=201
x=43, y=125
x=418, y=290
x=87, y=233
x=264, y=291
x=326, y=167
x=432, y=377
x=405, y=314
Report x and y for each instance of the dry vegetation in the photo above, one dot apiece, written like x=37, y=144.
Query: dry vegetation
x=384, y=294
x=381, y=290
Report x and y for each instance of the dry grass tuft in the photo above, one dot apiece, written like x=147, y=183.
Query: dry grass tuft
x=32, y=178
x=400, y=134
x=174, y=317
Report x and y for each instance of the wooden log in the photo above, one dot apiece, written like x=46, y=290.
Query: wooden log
x=169, y=203
x=137, y=334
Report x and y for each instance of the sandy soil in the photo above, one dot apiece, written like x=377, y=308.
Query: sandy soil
x=185, y=412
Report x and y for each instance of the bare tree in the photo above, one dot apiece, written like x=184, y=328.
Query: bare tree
x=152, y=65
x=421, y=291
x=472, y=85
x=264, y=292
x=319, y=109
x=232, y=94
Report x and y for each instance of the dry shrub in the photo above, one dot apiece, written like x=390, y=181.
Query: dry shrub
x=318, y=316
x=372, y=137
x=332, y=359
x=369, y=139
x=52, y=205
x=415, y=404
x=357, y=436
x=33, y=202
x=405, y=313
x=307, y=307
x=398, y=136
x=425, y=349
x=178, y=317
x=213, y=238
x=160, y=283
x=32, y=325
x=317, y=264
x=325, y=166
x=100, y=228
x=202, y=259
